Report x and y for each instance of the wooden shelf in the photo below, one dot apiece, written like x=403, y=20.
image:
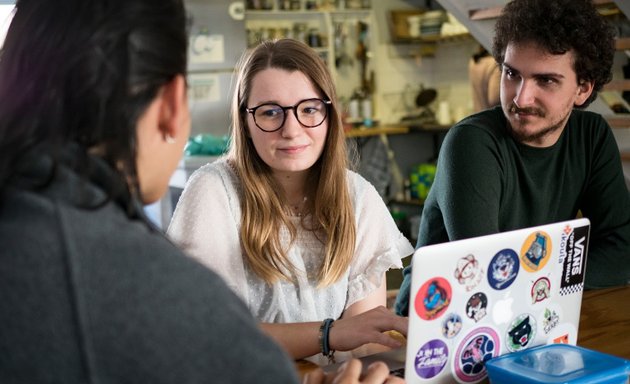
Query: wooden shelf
x=494, y=12
x=485, y=13
x=617, y=85
x=399, y=29
x=374, y=131
x=618, y=121
x=432, y=39
x=622, y=43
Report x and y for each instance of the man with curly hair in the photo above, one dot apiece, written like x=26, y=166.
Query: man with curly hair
x=539, y=157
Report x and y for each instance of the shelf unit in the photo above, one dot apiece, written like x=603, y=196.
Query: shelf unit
x=316, y=26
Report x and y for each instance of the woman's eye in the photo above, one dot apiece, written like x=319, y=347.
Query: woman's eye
x=272, y=112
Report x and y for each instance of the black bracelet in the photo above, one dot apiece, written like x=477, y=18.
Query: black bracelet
x=324, y=333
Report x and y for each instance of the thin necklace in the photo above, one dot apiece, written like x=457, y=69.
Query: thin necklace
x=298, y=209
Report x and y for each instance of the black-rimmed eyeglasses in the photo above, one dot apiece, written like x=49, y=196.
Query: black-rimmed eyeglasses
x=270, y=117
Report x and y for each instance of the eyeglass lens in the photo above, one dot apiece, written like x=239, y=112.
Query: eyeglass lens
x=310, y=113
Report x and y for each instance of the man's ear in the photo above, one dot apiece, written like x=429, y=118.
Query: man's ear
x=174, y=113
x=585, y=88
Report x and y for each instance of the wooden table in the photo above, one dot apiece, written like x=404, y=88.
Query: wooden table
x=605, y=321
x=604, y=324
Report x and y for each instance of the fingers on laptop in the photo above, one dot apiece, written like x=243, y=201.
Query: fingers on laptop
x=378, y=372
x=368, y=327
x=350, y=373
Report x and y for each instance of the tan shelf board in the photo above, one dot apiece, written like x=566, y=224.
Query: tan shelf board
x=485, y=13
x=431, y=39
x=622, y=43
x=618, y=120
x=374, y=131
x=494, y=12
x=617, y=85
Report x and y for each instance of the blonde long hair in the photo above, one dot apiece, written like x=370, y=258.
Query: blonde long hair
x=263, y=214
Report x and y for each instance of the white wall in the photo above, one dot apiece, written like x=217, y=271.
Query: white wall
x=401, y=71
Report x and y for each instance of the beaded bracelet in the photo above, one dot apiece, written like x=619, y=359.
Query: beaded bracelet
x=324, y=333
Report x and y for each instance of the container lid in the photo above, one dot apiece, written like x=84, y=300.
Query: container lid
x=557, y=363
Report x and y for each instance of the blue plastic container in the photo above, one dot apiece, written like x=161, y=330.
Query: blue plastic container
x=558, y=363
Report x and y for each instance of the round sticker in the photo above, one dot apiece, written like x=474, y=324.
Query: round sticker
x=468, y=272
x=503, y=269
x=451, y=325
x=535, y=251
x=476, y=306
x=521, y=332
x=541, y=290
x=433, y=298
x=476, y=348
x=431, y=359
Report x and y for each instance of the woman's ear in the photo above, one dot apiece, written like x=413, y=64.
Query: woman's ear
x=174, y=116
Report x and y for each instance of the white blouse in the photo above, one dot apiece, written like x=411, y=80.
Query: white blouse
x=206, y=225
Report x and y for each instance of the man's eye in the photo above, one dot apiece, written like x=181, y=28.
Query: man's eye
x=547, y=80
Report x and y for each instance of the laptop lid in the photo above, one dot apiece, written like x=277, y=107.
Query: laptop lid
x=478, y=298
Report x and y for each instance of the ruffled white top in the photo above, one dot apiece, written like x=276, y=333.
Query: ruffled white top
x=206, y=225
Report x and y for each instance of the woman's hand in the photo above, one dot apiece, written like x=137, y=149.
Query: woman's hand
x=350, y=373
x=349, y=333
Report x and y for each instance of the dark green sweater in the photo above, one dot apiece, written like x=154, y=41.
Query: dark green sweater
x=486, y=182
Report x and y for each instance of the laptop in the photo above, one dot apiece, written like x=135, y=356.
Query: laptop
x=475, y=299
x=479, y=298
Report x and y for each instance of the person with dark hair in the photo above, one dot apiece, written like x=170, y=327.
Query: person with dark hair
x=539, y=157
x=301, y=238
x=93, y=121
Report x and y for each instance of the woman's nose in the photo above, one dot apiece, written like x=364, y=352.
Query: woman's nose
x=291, y=126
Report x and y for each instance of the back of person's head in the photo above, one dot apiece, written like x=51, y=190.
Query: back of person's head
x=84, y=71
x=560, y=26
x=290, y=55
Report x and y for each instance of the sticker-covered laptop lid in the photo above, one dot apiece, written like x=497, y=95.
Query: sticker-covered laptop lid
x=478, y=298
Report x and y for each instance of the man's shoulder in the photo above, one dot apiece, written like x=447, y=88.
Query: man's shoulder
x=491, y=121
x=486, y=128
x=588, y=128
x=581, y=118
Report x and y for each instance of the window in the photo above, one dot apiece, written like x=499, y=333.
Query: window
x=6, y=13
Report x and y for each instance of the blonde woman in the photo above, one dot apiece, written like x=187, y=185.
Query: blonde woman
x=301, y=239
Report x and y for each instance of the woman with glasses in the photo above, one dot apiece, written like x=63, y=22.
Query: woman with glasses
x=304, y=241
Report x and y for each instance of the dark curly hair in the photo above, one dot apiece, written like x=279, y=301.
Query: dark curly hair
x=559, y=26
